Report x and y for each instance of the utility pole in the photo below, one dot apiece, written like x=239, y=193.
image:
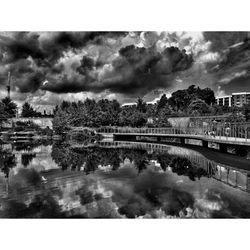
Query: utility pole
x=8, y=86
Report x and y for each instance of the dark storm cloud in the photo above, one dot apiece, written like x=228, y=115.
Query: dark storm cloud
x=233, y=47
x=47, y=47
x=222, y=40
x=68, y=85
x=87, y=64
x=20, y=45
x=231, y=71
x=238, y=84
x=31, y=83
x=140, y=70
x=237, y=56
x=31, y=56
x=135, y=71
x=132, y=64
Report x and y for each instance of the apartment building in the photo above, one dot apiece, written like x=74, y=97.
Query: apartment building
x=235, y=100
x=224, y=100
x=238, y=99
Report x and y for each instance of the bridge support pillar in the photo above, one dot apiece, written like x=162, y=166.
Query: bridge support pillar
x=205, y=144
x=182, y=140
x=223, y=148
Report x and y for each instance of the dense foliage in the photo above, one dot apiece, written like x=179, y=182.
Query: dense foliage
x=192, y=101
x=28, y=111
x=91, y=113
x=8, y=107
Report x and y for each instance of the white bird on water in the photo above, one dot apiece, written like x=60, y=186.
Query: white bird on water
x=45, y=82
x=44, y=179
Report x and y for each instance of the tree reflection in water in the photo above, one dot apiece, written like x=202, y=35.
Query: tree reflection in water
x=7, y=161
x=30, y=145
x=41, y=206
x=138, y=183
x=183, y=166
x=94, y=156
x=27, y=158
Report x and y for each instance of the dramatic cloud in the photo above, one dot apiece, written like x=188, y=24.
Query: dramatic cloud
x=139, y=70
x=222, y=40
x=121, y=65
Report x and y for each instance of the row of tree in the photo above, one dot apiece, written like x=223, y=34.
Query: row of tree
x=29, y=111
x=8, y=109
x=192, y=101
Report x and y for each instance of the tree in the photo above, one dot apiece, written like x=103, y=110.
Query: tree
x=141, y=105
x=151, y=110
x=162, y=103
x=7, y=161
x=131, y=116
x=163, y=115
x=61, y=122
x=138, y=119
x=107, y=112
x=27, y=110
x=55, y=109
x=65, y=105
x=206, y=95
x=27, y=158
x=3, y=114
x=181, y=99
x=236, y=117
x=9, y=107
x=246, y=111
x=183, y=166
x=198, y=107
x=220, y=110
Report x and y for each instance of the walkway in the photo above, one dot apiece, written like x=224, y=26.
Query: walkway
x=236, y=135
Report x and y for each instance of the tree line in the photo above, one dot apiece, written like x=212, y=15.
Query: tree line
x=192, y=101
x=8, y=109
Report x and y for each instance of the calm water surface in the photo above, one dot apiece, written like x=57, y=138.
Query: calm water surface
x=118, y=180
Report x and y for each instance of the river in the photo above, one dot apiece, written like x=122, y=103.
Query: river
x=120, y=180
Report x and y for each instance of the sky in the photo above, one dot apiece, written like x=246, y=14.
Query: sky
x=48, y=67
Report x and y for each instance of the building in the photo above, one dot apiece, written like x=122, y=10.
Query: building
x=234, y=100
x=131, y=104
x=224, y=100
x=238, y=99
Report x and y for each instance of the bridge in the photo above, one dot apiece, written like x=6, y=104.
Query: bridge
x=233, y=135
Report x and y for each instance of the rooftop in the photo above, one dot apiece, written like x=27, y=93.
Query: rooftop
x=238, y=93
x=241, y=93
x=224, y=96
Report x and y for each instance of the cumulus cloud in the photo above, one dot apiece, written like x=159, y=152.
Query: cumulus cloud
x=121, y=64
x=129, y=69
x=18, y=49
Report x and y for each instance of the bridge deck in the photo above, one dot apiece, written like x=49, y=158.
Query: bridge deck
x=216, y=139
x=234, y=135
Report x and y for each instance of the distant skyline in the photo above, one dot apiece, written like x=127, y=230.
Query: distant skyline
x=48, y=67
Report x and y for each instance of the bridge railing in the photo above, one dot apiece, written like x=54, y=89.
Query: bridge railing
x=220, y=132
